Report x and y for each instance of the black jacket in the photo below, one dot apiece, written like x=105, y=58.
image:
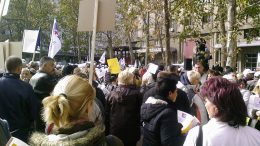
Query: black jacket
x=123, y=113
x=146, y=88
x=17, y=105
x=42, y=84
x=160, y=124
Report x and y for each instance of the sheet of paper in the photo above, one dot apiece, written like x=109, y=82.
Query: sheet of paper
x=152, y=68
x=16, y=142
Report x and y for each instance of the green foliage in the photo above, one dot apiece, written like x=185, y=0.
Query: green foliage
x=27, y=15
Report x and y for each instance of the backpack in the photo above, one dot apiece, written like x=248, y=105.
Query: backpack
x=4, y=132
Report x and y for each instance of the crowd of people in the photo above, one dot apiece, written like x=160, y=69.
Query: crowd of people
x=45, y=104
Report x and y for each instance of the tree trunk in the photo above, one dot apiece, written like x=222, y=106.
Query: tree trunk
x=231, y=37
x=110, y=46
x=130, y=48
x=161, y=44
x=167, y=33
x=147, y=39
x=222, y=11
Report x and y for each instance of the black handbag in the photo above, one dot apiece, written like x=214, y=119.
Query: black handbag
x=4, y=132
x=199, y=141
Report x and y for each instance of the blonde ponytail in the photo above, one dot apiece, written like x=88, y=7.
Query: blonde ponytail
x=56, y=110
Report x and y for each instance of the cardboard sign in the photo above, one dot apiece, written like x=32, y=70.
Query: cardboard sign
x=113, y=65
x=106, y=15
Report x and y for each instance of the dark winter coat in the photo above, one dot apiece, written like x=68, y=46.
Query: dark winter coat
x=17, y=105
x=160, y=123
x=146, y=88
x=123, y=113
x=42, y=84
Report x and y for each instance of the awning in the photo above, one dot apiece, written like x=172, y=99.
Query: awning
x=241, y=44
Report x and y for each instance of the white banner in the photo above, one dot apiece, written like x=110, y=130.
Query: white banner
x=29, y=40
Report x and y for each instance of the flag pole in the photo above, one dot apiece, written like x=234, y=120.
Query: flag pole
x=33, y=57
x=93, y=42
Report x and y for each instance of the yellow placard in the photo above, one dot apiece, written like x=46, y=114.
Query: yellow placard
x=113, y=65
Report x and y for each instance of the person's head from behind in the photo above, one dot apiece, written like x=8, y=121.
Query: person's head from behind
x=71, y=100
x=228, y=70
x=77, y=70
x=166, y=85
x=224, y=101
x=242, y=83
x=126, y=78
x=173, y=69
x=14, y=64
x=47, y=65
x=67, y=70
x=34, y=65
x=213, y=73
x=193, y=77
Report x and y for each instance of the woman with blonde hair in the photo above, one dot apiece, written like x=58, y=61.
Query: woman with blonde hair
x=71, y=115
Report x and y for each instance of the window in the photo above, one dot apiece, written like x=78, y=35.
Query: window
x=205, y=18
x=250, y=61
x=251, y=33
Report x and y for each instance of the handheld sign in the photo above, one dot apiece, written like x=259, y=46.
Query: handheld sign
x=152, y=68
x=113, y=65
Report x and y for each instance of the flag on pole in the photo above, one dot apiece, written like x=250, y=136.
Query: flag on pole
x=103, y=58
x=30, y=40
x=38, y=43
x=122, y=63
x=55, y=44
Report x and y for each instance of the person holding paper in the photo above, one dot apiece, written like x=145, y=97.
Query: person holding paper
x=227, y=112
x=159, y=115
